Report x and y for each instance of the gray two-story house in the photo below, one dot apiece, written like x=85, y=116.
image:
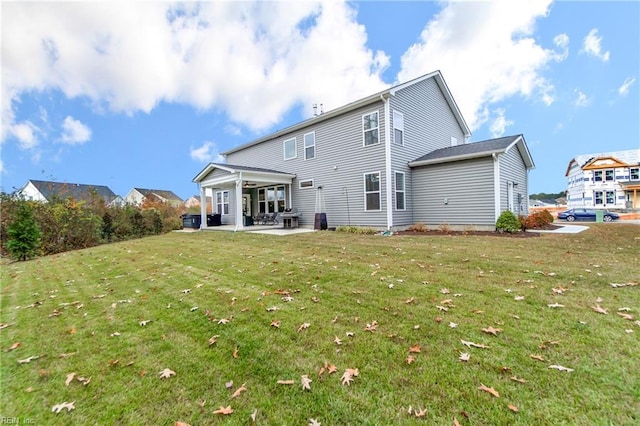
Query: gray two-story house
x=390, y=160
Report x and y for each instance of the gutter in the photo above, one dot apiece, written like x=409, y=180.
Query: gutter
x=387, y=155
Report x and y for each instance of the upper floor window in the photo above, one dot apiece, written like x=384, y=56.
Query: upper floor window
x=310, y=146
x=398, y=128
x=597, y=176
x=306, y=184
x=635, y=173
x=222, y=202
x=289, y=147
x=372, y=191
x=400, y=191
x=609, y=175
x=370, y=128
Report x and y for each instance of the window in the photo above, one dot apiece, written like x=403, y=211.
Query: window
x=608, y=175
x=400, y=191
x=271, y=199
x=635, y=173
x=310, y=146
x=289, y=147
x=306, y=184
x=597, y=176
x=372, y=191
x=222, y=202
x=611, y=197
x=370, y=128
x=597, y=195
x=398, y=128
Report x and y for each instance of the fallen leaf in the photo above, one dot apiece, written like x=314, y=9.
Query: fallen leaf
x=223, y=321
x=239, y=391
x=561, y=368
x=337, y=341
x=512, y=408
x=143, y=323
x=306, y=382
x=314, y=422
x=420, y=413
x=515, y=379
x=286, y=382
x=179, y=423
x=622, y=314
x=348, y=376
x=456, y=422
x=224, y=410
x=28, y=360
x=16, y=345
x=372, y=326
x=166, y=373
x=59, y=407
x=275, y=324
x=492, y=391
x=599, y=309
x=70, y=378
x=464, y=356
x=415, y=348
x=3, y=325
x=475, y=345
x=235, y=352
x=254, y=415
x=213, y=340
x=538, y=357
x=410, y=359
x=229, y=384
x=303, y=326
x=555, y=305
x=491, y=330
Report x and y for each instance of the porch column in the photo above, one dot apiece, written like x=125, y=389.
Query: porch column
x=203, y=206
x=239, y=213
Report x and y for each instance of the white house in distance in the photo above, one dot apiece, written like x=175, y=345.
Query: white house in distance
x=48, y=191
x=137, y=196
x=394, y=158
x=606, y=180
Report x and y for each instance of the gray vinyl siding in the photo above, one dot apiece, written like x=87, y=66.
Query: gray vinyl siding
x=429, y=124
x=339, y=166
x=467, y=186
x=513, y=169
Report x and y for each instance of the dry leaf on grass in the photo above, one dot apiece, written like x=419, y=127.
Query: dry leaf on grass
x=464, y=356
x=59, y=407
x=213, y=340
x=224, y=410
x=415, y=348
x=561, y=368
x=516, y=379
x=16, y=345
x=303, y=326
x=512, y=408
x=306, y=382
x=239, y=391
x=474, y=345
x=143, y=323
x=166, y=373
x=599, y=309
x=286, y=382
x=179, y=423
x=410, y=359
x=314, y=422
x=538, y=357
x=348, y=375
x=491, y=330
x=28, y=360
x=70, y=378
x=492, y=391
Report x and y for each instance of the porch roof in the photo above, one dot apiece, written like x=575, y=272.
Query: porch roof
x=234, y=173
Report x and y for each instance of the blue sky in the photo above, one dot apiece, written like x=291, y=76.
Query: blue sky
x=144, y=94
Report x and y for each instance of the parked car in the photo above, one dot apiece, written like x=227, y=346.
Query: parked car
x=587, y=214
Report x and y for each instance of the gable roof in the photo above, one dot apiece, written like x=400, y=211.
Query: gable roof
x=77, y=191
x=376, y=97
x=630, y=157
x=235, y=169
x=476, y=150
x=167, y=195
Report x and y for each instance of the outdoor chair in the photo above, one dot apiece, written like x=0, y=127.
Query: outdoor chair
x=271, y=219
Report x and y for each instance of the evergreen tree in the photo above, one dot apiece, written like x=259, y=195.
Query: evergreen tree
x=24, y=234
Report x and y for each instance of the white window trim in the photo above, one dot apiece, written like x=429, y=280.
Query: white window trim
x=396, y=127
x=637, y=171
x=396, y=191
x=313, y=184
x=304, y=141
x=379, y=191
x=284, y=149
x=364, y=140
x=221, y=204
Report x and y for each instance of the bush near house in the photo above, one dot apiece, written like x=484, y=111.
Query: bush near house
x=536, y=219
x=508, y=222
x=67, y=224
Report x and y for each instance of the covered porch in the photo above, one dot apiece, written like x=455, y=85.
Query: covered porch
x=240, y=192
x=632, y=194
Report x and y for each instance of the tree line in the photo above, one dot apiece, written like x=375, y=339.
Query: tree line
x=34, y=228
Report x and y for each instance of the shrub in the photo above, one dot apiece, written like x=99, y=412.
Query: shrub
x=418, y=227
x=351, y=229
x=23, y=234
x=444, y=227
x=536, y=220
x=508, y=222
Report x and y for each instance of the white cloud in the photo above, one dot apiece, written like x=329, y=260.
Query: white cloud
x=74, y=132
x=253, y=60
x=495, y=40
x=591, y=46
x=624, y=89
x=207, y=153
x=500, y=123
x=25, y=132
x=582, y=100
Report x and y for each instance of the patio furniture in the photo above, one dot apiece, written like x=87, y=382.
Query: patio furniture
x=270, y=219
x=290, y=218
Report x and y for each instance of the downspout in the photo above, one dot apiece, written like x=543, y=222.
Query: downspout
x=203, y=206
x=387, y=152
x=496, y=186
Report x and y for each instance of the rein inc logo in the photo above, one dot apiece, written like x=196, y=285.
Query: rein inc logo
x=16, y=421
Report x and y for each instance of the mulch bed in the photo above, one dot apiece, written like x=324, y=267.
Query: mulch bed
x=435, y=232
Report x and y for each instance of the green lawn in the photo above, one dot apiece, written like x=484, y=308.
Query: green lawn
x=398, y=309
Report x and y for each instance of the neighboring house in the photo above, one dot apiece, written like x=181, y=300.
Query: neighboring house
x=606, y=180
x=547, y=203
x=138, y=195
x=47, y=191
x=392, y=159
x=194, y=201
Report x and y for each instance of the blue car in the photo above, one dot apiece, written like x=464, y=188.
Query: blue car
x=587, y=214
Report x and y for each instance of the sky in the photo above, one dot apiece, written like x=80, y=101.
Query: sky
x=145, y=94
